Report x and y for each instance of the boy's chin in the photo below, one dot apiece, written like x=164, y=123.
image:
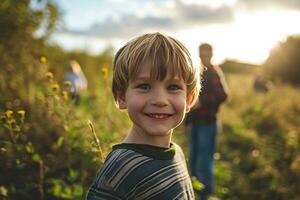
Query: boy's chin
x=159, y=133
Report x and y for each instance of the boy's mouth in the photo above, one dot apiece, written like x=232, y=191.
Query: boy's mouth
x=158, y=115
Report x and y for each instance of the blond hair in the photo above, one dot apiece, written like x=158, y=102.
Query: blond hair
x=166, y=56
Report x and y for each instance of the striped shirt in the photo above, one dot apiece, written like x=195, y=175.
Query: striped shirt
x=140, y=172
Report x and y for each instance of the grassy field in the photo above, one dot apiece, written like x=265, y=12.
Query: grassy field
x=54, y=154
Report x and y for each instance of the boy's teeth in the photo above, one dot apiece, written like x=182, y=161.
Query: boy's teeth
x=158, y=116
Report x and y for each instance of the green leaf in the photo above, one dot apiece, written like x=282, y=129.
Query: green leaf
x=3, y=191
x=18, y=162
x=60, y=141
x=73, y=174
x=197, y=185
x=29, y=147
x=36, y=157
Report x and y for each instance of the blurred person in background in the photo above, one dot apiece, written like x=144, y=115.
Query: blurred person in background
x=260, y=83
x=201, y=122
x=78, y=80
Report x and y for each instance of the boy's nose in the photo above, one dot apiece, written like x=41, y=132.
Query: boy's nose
x=159, y=98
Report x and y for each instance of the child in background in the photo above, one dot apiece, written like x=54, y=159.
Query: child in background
x=77, y=79
x=155, y=81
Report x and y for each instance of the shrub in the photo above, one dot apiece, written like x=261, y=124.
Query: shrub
x=283, y=61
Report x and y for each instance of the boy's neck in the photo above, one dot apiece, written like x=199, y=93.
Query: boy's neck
x=160, y=141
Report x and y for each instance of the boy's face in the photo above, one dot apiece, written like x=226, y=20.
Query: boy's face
x=155, y=107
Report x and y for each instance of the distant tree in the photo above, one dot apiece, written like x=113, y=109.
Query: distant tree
x=20, y=45
x=19, y=21
x=283, y=63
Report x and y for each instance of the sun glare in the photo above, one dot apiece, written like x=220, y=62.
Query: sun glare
x=257, y=33
x=249, y=39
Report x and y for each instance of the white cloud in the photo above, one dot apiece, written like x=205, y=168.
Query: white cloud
x=125, y=27
x=269, y=4
x=204, y=14
x=163, y=17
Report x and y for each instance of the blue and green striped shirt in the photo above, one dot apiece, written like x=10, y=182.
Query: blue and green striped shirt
x=140, y=172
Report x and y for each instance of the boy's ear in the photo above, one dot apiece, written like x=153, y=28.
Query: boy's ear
x=189, y=100
x=122, y=102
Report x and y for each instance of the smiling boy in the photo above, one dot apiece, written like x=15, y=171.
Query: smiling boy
x=155, y=81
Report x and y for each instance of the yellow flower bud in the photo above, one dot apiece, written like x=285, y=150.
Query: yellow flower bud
x=55, y=87
x=3, y=118
x=64, y=94
x=67, y=84
x=21, y=114
x=43, y=59
x=49, y=75
x=104, y=70
x=9, y=114
x=12, y=123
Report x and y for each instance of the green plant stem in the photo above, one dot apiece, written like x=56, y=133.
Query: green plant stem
x=11, y=136
x=96, y=140
x=41, y=180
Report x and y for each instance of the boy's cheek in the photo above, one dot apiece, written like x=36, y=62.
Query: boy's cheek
x=136, y=103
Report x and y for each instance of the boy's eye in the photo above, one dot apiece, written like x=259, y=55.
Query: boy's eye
x=174, y=87
x=143, y=86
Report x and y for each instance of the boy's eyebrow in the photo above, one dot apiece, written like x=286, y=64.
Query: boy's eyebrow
x=142, y=78
x=176, y=78
x=148, y=78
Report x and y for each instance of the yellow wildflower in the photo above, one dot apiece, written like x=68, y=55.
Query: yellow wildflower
x=9, y=114
x=64, y=94
x=21, y=114
x=3, y=118
x=67, y=84
x=49, y=75
x=12, y=123
x=104, y=70
x=55, y=87
x=43, y=59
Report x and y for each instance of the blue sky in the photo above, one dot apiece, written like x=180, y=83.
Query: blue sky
x=243, y=30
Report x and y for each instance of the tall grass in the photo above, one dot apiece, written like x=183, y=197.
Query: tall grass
x=55, y=156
